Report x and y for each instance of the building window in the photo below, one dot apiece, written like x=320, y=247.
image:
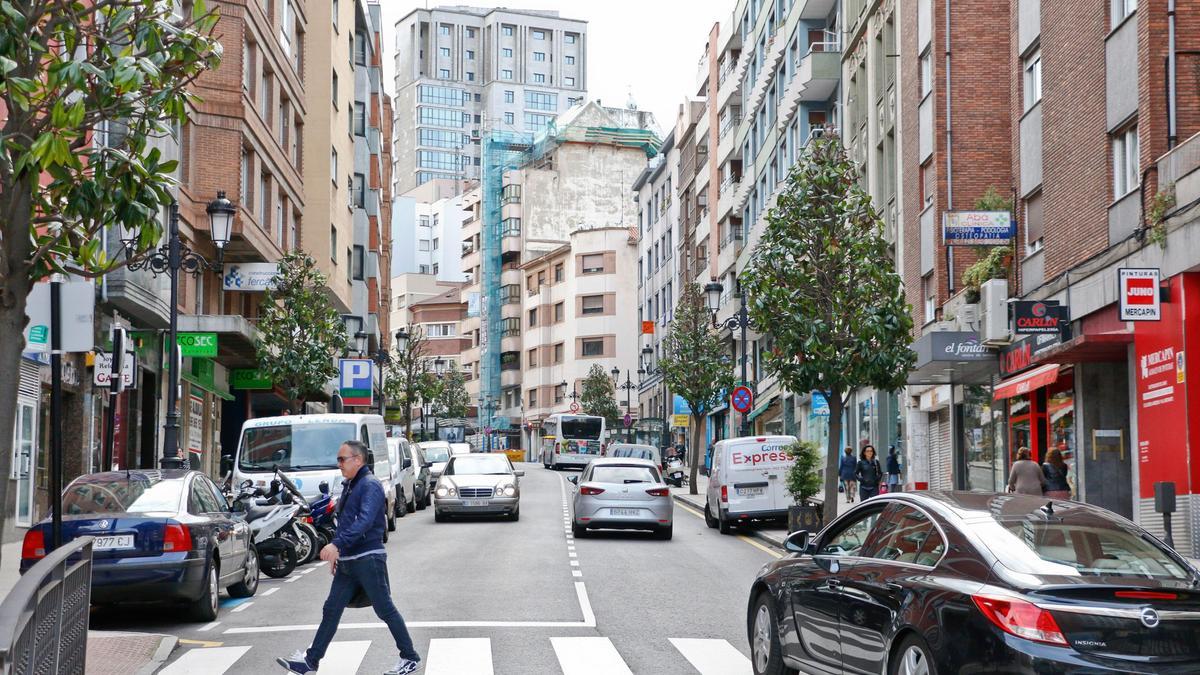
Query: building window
x=444, y=29
x=929, y=293
x=333, y=172
x=1033, y=223
x=560, y=393
x=335, y=14
x=541, y=100
x=539, y=56
x=592, y=346
x=558, y=272
x=593, y=263
x=441, y=117
x=1125, y=162
x=569, y=60
x=360, y=118
x=470, y=32
x=926, y=73
x=507, y=30
x=506, y=52
x=569, y=38
x=558, y=353
x=359, y=191
x=539, y=35
x=429, y=93
x=1033, y=78
x=506, y=74
x=535, y=122
x=357, y=263
x=511, y=327
x=334, y=89
x=333, y=244
x=928, y=182
x=444, y=51
x=1122, y=9
x=568, y=81
x=558, y=312
x=510, y=227
x=509, y=97
x=443, y=74
x=470, y=55
x=360, y=49
x=533, y=395
x=592, y=304
x=539, y=78
x=470, y=77
x=423, y=245
x=509, y=118
x=510, y=194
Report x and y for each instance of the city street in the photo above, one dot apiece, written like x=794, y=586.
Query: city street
x=491, y=596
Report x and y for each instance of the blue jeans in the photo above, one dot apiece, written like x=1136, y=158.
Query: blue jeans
x=865, y=492
x=371, y=574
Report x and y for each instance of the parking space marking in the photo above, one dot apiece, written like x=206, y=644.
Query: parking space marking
x=240, y=608
x=269, y=591
x=713, y=657
x=201, y=660
x=743, y=537
x=208, y=626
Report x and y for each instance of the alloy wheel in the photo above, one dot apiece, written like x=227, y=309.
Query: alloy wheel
x=251, y=578
x=762, y=639
x=914, y=662
x=213, y=591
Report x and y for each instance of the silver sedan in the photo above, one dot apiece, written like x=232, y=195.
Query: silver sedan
x=622, y=493
x=478, y=484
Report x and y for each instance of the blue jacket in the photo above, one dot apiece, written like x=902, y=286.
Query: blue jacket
x=848, y=467
x=361, y=521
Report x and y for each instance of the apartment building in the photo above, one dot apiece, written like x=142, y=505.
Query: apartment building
x=472, y=323
x=439, y=319
x=463, y=72
x=428, y=230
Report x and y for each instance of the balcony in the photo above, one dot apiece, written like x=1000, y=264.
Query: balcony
x=820, y=70
x=816, y=9
x=725, y=201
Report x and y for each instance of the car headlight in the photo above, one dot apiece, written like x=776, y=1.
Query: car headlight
x=446, y=491
x=509, y=490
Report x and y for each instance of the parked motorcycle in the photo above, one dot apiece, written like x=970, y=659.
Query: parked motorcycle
x=301, y=533
x=675, y=471
x=276, y=553
x=324, y=515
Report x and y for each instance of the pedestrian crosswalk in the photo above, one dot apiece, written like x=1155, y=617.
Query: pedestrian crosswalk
x=474, y=656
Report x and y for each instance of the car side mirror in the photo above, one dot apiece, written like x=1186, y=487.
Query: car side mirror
x=573, y=479
x=226, y=464
x=519, y=473
x=426, y=465
x=797, y=542
x=407, y=463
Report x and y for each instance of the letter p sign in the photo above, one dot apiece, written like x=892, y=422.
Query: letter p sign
x=356, y=382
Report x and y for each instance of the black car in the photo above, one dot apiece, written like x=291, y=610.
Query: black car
x=961, y=582
x=158, y=536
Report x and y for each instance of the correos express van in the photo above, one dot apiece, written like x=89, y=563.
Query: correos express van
x=748, y=480
x=305, y=448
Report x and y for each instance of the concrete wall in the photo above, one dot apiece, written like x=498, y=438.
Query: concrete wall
x=1102, y=402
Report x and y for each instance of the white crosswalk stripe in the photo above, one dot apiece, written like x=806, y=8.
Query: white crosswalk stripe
x=205, y=660
x=589, y=656
x=713, y=657
x=459, y=656
x=343, y=658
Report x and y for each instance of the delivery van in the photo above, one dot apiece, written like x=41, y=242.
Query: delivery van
x=748, y=481
x=305, y=447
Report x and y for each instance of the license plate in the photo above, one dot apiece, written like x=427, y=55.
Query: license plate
x=624, y=512
x=751, y=491
x=475, y=502
x=113, y=542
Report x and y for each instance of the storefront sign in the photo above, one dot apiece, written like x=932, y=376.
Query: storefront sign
x=195, y=423
x=1021, y=354
x=820, y=405
x=680, y=406
x=1137, y=289
x=1034, y=317
x=679, y=420
x=250, y=276
x=356, y=382
x=197, y=345
x=248, y=378
x=102, y=370
x=77, y=302
x=954, y=346
x=977, y=228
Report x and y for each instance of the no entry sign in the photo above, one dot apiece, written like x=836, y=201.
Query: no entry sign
x=1137, y=289
x=742, y=399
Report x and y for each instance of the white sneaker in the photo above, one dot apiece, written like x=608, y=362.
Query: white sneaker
x=404, y=667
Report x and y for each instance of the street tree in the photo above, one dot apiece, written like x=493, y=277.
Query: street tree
x=301, y=334
x=86, y=90
x=452, y=398
x=409, y=380
x=697, y=367
x=599, y=397
x=822, y=285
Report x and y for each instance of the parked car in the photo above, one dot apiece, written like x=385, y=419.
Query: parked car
x=952, y=582
x=460, y=448
x=159, y=536
x=638, y=451
x=621, y=493
x=404, y=475
x=422, y=481
x=437, y=453
x=478, y=485
x=748, y=481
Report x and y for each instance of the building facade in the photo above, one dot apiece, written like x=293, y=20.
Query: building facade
x=465, y=72
x=427, y=222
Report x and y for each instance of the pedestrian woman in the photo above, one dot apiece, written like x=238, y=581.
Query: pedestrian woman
x=1055, y=472
x=846, y=472
x=1025, y=477
x=893, y=469
x=869, y=473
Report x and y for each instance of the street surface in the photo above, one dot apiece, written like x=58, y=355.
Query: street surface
x=488, y=596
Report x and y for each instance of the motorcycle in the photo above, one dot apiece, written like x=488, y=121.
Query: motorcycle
x=276, y=553
x=301, y=533
x=675, y=471
x=324, y=515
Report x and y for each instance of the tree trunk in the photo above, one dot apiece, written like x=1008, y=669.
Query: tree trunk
x=694, y=456
x=833, y=456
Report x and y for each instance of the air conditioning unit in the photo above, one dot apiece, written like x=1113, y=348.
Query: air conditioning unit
x=968, y=317
x=993, y=312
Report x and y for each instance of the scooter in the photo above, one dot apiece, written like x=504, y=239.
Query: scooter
x=302, y=534
x=276, y=553
x=324, y=515
x=675, y=471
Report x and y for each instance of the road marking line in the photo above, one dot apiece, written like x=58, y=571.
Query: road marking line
x=269, y=591
x=574, y=563
x=204, y=661
x=200, y=643
x=292, y=580
x=344, y=657
x=570, y=548
x=208, y=626
x=571, y=554
x=459, y=656
x=759, y=546
x=241, y=607
x=713, y=657
x=576, y=573
x=689, y=510
x=589, y=656
x=308, y=570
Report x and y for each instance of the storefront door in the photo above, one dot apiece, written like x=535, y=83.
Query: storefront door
x=25, y=438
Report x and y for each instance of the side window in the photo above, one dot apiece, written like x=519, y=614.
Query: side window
x=905, y=535
x=850, y=539
x=366, y=440
x=219, y=498
x=195, y=506
x=201, y=499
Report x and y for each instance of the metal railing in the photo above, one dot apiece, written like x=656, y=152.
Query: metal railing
x=44, y=620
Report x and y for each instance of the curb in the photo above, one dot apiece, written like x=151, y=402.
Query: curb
x=753, y=532
x=166, y=645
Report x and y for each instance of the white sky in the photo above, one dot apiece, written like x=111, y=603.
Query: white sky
x=648, y=47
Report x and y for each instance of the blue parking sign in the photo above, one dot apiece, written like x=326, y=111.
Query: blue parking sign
x=356, y=382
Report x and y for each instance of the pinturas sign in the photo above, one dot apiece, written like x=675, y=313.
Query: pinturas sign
x=1138, y=291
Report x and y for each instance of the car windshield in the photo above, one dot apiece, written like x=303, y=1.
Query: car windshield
x=138, y=494
x=293, y=447
x=1073, y=546
x=582, y=428
x=623, y=474
x=478, y=464
x=436, y=453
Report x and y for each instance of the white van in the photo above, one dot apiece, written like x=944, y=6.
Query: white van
x=404, y=475
x=748, y=480
x=305, y=448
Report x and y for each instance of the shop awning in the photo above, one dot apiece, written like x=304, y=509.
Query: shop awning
x=1027, y=381
x=762, y=408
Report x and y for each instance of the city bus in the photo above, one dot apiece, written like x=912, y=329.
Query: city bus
x=571, y=440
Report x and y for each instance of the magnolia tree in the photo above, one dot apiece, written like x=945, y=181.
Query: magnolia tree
x=69, y=69
x=822, y=284
x=598, y=397
x=409, y=380
x=452, y=399
x=301, y=334
x=696, y=366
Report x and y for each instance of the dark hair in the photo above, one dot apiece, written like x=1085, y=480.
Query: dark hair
x=359, y=448
x=863, y=454
x=1055, y=458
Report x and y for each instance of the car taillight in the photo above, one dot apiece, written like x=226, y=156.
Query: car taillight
x=724, y=493
x=1020, y=618
x=34, y=547
x=176, y=537
x=659, y=492
x=585, y=490
x=1146, y=595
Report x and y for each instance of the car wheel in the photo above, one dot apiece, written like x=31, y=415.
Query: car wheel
x=913, y=658
x=248, y=586
x=765, y=650
x=411, y=505
x=515, y=515
x=391, y=521
x=579, y=531
x=708, y=517
x=284, y=563
x=664, y=532
x=724, y=525
x=205, y=606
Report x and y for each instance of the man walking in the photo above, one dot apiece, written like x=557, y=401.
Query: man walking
x=358, y=561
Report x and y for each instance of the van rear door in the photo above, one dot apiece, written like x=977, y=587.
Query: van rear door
x=755, y=476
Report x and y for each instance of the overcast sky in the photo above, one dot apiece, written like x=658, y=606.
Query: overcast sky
x=648, y=47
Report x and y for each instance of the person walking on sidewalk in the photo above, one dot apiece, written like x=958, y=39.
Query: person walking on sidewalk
x=358, y=562
x=1026, y=477
x=869, y=473
x=893, y=469
x=846, y=472
x=1055, y=471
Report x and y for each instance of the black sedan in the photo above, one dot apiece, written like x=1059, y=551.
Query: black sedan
x=926, y=583
x=158, y=536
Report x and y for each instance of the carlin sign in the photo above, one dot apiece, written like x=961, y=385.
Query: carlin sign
x=1137, y=289
x=1032, y=317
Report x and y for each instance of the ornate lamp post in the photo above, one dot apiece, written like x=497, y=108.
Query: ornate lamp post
x=628, y=386
x=653, y=371
x=739, y=321
x=169, y=259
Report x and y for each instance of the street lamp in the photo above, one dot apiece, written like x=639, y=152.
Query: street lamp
x=574, y=395
x=489, y=405
x=169, y=259
x=439, y=366
x=656, y=371
x=402, y=337
x=628, y=386
x=739, y=321
x=360, y=338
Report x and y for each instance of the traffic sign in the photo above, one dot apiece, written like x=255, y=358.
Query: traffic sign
x=356, y=382
x=574, y=407
x=627, y=420
x=742, y=399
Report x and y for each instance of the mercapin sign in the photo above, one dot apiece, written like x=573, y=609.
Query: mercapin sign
x=1138, y=291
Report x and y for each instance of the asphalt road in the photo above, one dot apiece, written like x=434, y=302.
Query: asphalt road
x=492, y=596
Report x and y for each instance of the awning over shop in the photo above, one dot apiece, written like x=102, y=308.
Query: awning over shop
x=1027, y=381
x=952, y=357
x=762, y=408
x=236, y=337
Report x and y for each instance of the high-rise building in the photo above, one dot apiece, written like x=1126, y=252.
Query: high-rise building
x=463, y=72
x=427, y=227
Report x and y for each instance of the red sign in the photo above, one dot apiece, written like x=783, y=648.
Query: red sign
x=742, y=399
x=647, y=328
x=1138, y=293
x=574, y=407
